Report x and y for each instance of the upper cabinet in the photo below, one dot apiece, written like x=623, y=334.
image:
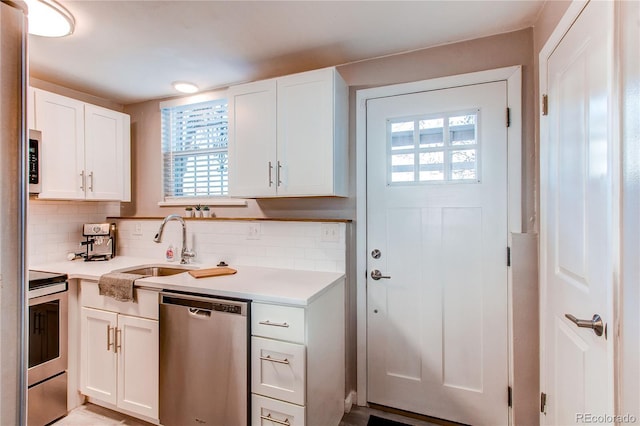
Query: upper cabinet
x=85, y=149
x=288, y=136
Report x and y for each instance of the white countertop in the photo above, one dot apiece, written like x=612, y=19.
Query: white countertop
x=283, y=286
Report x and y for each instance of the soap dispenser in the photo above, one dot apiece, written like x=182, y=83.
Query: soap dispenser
x=170, y=254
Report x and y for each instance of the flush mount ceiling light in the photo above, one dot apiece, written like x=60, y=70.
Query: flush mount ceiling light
x=185, y=87
x=49, y=18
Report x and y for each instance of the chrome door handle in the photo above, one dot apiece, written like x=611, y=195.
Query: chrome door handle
x=91, y=185
x=270, y=171
x=376, y=275
x=595, y=323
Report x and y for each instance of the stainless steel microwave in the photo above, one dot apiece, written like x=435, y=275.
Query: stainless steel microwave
x=34, y=161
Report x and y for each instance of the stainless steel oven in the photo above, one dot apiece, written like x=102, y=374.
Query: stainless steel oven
x=47, y=366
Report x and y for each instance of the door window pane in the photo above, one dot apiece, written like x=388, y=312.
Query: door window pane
x=402, y=135
x=402, y=168
x=436, y=148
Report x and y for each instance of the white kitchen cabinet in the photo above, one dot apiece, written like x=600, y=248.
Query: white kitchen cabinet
x=298, y=361
x=288, y=136
x=119, y=358
x=85, y=149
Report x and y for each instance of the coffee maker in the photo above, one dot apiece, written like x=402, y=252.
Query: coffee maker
x=100, y=241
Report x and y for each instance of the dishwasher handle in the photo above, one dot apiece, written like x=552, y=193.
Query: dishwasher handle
x=199, y=312
x=204, y=306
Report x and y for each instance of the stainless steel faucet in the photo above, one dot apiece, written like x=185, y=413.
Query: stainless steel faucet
x=185, y=254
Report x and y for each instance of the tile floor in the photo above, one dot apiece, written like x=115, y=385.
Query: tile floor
x=93, y=415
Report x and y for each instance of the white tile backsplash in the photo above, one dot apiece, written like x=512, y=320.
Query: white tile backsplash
x=281, y=244
x=55, y=227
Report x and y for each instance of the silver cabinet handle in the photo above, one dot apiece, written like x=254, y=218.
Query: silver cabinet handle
x=118, y=340
x=271, y=419
x=83, y=180
x=274, y=324
x=109, y=342
x=376, y=275
x=278, y=173
x=270, y=171
x=595, y=323
x=91, y=185
x=279, y=361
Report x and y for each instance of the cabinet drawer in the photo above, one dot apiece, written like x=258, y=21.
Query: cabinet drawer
x=271, y=412
x=278, y=369
x=145, y=302
x=278, y=322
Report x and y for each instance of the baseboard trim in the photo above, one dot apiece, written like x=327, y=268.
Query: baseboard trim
x=349, y=401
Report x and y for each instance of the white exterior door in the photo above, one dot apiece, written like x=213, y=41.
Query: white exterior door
x=437, y=233
x=577, y=213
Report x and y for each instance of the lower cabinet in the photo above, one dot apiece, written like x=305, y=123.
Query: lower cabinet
x=270, y=412
x=298, y=362
x=119, y=363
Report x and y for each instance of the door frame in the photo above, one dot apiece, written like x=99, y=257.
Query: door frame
x=513, y=76
x=615, y=327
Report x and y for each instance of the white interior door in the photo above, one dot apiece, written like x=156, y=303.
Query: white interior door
x=437, y=234
x=577, y=213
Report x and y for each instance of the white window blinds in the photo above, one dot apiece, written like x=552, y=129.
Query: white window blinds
x=194, y=149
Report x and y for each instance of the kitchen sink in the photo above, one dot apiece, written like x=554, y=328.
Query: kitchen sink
x=155, y=271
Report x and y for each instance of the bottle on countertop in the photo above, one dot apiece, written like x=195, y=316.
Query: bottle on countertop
x=170, y=254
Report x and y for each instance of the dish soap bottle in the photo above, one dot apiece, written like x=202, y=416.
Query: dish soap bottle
x=170, y=253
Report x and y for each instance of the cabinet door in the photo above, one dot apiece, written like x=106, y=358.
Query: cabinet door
x=253, y=166
x=306, y=133
x=278, y=370
x=138, y=365
x=98, y=359
x=106, y=153
x=271, y=412
x=61, y=121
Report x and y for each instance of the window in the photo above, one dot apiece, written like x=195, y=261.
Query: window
x=436, y=148
x=194, y=149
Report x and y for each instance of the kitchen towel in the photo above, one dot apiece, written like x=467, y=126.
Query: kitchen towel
x=118, y=285
x=212, y=272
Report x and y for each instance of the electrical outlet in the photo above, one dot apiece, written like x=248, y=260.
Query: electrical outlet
x=253, y=232
x=330, y=232
x=137, y=228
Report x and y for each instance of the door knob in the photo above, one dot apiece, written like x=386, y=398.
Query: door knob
x=595, y=323
x=376, y=275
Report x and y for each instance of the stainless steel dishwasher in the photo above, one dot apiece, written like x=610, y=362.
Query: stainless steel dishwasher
x=204, y=364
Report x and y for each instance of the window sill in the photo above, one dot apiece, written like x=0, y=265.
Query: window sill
x=211, y=202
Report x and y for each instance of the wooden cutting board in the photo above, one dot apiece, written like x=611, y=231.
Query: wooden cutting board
x=212, y=272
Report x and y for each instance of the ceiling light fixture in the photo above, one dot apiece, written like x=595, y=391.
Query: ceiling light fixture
x=49, y=18
x=184, y=87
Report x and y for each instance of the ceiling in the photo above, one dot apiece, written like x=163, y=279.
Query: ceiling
x=131, y=51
